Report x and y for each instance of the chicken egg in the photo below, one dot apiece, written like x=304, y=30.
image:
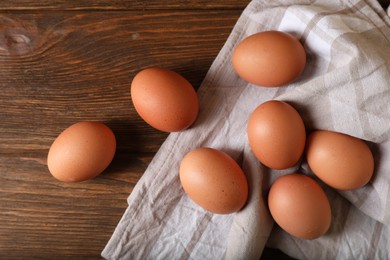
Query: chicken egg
x=269, y=59
x=81, y=152
x=276, y=134
x=342, y=161
x=299, y=206
x=213, y=180
x=164, y=99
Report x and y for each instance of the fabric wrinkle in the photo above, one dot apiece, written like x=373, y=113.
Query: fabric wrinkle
x=344, y=88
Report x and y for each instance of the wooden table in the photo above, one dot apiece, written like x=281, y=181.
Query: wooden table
x=66, y=61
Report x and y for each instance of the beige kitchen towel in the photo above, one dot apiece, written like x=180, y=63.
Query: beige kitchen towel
x=345, y=87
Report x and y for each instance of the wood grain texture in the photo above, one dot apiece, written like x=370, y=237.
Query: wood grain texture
x=61, y=67
x=67, y=61
x=86, y=5
x=41, y=218
x=121, y=5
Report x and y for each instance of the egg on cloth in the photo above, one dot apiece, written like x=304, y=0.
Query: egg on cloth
x=213, y=180
x=81, y=152
x=164, y=99
x=269, y=58
x=276, y=134
x=342, y=161
x=300, y=206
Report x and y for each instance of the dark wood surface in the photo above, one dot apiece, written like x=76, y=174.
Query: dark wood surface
x=122, y=5
x=67, y=61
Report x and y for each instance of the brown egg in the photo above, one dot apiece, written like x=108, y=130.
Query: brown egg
x=343, y=162
x=164, y=99
x=270, y=58
x=213, y=180
x=299, y=206
x=276, y=134
x=81, y=152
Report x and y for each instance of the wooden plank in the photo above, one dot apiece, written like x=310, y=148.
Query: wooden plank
x=42, y=218
x=65, y=66
x=121, y=5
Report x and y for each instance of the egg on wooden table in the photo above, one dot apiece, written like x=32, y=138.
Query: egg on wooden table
x=269, y=58
x=299, y=206
x=342, y=161
x=213, y=180
x=81, y=152
x=276, y=134
x=164, y=99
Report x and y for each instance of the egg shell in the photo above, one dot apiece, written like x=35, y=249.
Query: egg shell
x=276, y=134
x=342, y=161
x=81, y=152
x=269, y=59
x=164, y=99
x=299, y=206
x=213, y=180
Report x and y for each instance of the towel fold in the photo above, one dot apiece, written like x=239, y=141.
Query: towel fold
x=345, y=88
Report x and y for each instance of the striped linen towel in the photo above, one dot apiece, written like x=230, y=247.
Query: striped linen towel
x=345, y=87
